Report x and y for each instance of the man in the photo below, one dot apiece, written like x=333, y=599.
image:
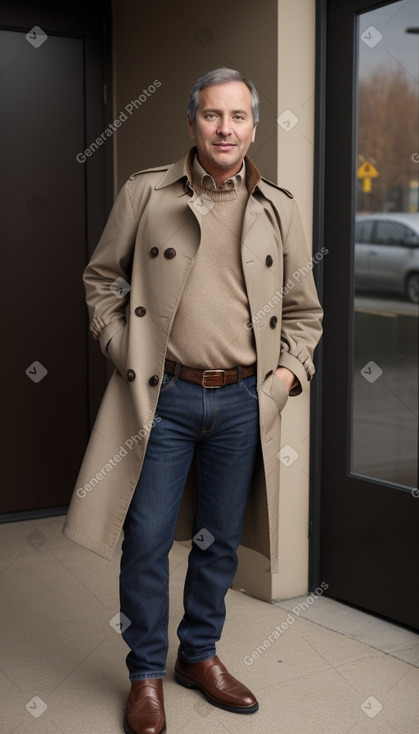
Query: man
x=196, y=294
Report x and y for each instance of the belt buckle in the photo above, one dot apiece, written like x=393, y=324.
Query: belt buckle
x=208, y=374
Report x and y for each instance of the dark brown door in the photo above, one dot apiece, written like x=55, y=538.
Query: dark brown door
x=369, y=543
x=48, y=225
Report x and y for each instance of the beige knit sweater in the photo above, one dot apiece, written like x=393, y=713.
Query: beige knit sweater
x=208, y=330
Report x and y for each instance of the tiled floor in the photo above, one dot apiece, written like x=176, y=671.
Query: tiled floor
x=62, y=664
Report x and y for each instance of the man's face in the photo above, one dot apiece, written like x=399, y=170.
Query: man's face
x=223, y=128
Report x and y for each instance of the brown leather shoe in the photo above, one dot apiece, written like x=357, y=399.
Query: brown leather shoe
x=145, y=708
x=217, y=685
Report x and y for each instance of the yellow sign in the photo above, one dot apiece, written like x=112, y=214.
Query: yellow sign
x=367, y=171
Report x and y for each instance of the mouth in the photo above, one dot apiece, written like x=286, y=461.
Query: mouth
x=224, y=147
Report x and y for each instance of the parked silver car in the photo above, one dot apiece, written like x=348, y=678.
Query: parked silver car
x=387, y=253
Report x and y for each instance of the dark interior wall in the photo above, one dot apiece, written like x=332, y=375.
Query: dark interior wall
x=53, y=64
x=174, y=43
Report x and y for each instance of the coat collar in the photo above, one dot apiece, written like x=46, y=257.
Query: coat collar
x=182, y=169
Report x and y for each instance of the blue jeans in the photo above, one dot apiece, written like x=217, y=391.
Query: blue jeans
x=221, y=428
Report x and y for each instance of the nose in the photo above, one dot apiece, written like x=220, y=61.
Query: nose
x=224, y=126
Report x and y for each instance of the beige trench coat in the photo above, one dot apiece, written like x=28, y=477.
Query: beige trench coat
x=156, y=211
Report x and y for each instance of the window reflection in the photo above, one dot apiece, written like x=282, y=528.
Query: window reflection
x=384, y=412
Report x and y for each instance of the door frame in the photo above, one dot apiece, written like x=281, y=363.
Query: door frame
x=331, y=157
x=316, y=388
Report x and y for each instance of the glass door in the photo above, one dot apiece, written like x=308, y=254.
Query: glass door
x=369, y=469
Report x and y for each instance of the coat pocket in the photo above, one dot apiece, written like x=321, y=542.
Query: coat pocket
x=116, y=345
x=276, y=390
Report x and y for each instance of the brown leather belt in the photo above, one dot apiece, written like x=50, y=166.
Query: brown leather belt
x=209, y=378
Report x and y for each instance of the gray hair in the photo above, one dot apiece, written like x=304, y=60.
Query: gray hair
x=222, y=76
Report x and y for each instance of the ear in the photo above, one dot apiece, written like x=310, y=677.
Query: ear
x=191, y=127
x=254, y=134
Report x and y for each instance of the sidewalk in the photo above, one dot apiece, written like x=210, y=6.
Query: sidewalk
x=62, y=667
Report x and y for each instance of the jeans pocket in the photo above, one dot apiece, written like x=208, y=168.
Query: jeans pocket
x=167, y=382
x=250, y=386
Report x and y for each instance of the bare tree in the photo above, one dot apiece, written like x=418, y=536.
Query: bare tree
x=388, y=133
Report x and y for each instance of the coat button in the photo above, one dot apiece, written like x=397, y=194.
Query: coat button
x=273, y=322
x=153, y=381
x=269, y=260
x=154, y=252
x=140, y=311
x=169, y=253
x=130, y=375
